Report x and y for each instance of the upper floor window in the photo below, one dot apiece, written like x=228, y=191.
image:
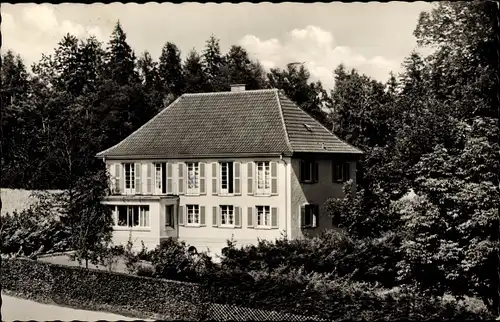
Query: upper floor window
x=308, y=171
x=341, y=172
x=226, y=178
x=227, y=215
x=129, y=177
x=309, y=216
x=263, y=178
x=158, y=178
x=193, y=178
x=193, y=214
x=263, y=216
x=133, y=216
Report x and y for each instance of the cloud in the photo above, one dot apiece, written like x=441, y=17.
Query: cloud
x=36, y=30
x=320, y=53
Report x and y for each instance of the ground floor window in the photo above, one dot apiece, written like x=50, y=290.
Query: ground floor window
x=263, y=216
x=133, y=216
x=193, y=214
x=227, y=215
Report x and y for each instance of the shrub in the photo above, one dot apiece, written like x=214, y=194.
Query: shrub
x=172, y=260
x=320, y=295
x=333, y=251
x=98, y=289
x=34, y=230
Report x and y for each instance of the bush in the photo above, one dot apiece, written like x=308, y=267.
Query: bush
x=370, y=259
x=33, y=231
x=97, y=290
x=320, y=295
x=172, y=260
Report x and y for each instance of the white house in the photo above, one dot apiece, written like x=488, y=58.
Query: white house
x=248, y=164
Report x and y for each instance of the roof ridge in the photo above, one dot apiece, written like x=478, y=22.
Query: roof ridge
x=267, y=90
x=319, y=123
x=131, y=134
x=283, y=121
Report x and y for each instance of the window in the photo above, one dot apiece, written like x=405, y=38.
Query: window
x=308, y=171
x=169, y=216
x=158, y=178
x=129, y=176
x=133, y=216
x=263, y=178
x=227, y=215
x=263, y=216
x=341, y=172
x=226, y=177
x=309, y=215
x=193, y=176
x=193, y=214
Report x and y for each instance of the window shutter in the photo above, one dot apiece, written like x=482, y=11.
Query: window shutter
x=274, y=178
x=203, y=180
x=202, y=216
x=181, y=178
x=180, y=214
x=315, y=171
x=237, y=178
x=250, y=178
x=302, y=216
x=214, y=178
x=237, y=217
x=274, y=217
x=170, y=181
x=149, y=185
x=346, y=173
x=118, y=181
x=138, y=185
x=214, y=216
x=334, y=172
x=250, y=217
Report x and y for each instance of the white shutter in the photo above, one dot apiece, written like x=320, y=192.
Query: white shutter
x=180, y=185
x=149, y=180
x=203, y=180
x=214, y=177
x=274, y=217
x=170, y=179
x=237, y=178
x=138, y=181
x=274, y=178
x=250, y=180
x=237, y=217
x=250, y=223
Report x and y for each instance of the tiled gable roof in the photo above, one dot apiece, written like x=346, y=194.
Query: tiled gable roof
x=260, y=122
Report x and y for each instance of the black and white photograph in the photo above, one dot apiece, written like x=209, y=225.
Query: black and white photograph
x=250, y=161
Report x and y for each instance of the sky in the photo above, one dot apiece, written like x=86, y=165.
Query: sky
x=372, y=37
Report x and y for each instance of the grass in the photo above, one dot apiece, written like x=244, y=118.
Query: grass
x=63, y=259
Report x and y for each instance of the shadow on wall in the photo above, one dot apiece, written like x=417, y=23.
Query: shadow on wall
x=316, y=192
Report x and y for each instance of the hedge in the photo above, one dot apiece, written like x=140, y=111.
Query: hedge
x=332, y=300
x=102, y=290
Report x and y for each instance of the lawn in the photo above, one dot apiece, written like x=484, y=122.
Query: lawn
x=64, y=260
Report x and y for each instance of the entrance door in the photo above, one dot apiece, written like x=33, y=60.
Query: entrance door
x=170, y=211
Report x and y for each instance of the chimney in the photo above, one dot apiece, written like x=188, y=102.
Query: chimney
x=238, y=88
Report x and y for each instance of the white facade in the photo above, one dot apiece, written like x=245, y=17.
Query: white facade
x=207, y=212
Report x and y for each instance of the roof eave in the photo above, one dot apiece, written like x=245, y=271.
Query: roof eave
x=198, y=156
